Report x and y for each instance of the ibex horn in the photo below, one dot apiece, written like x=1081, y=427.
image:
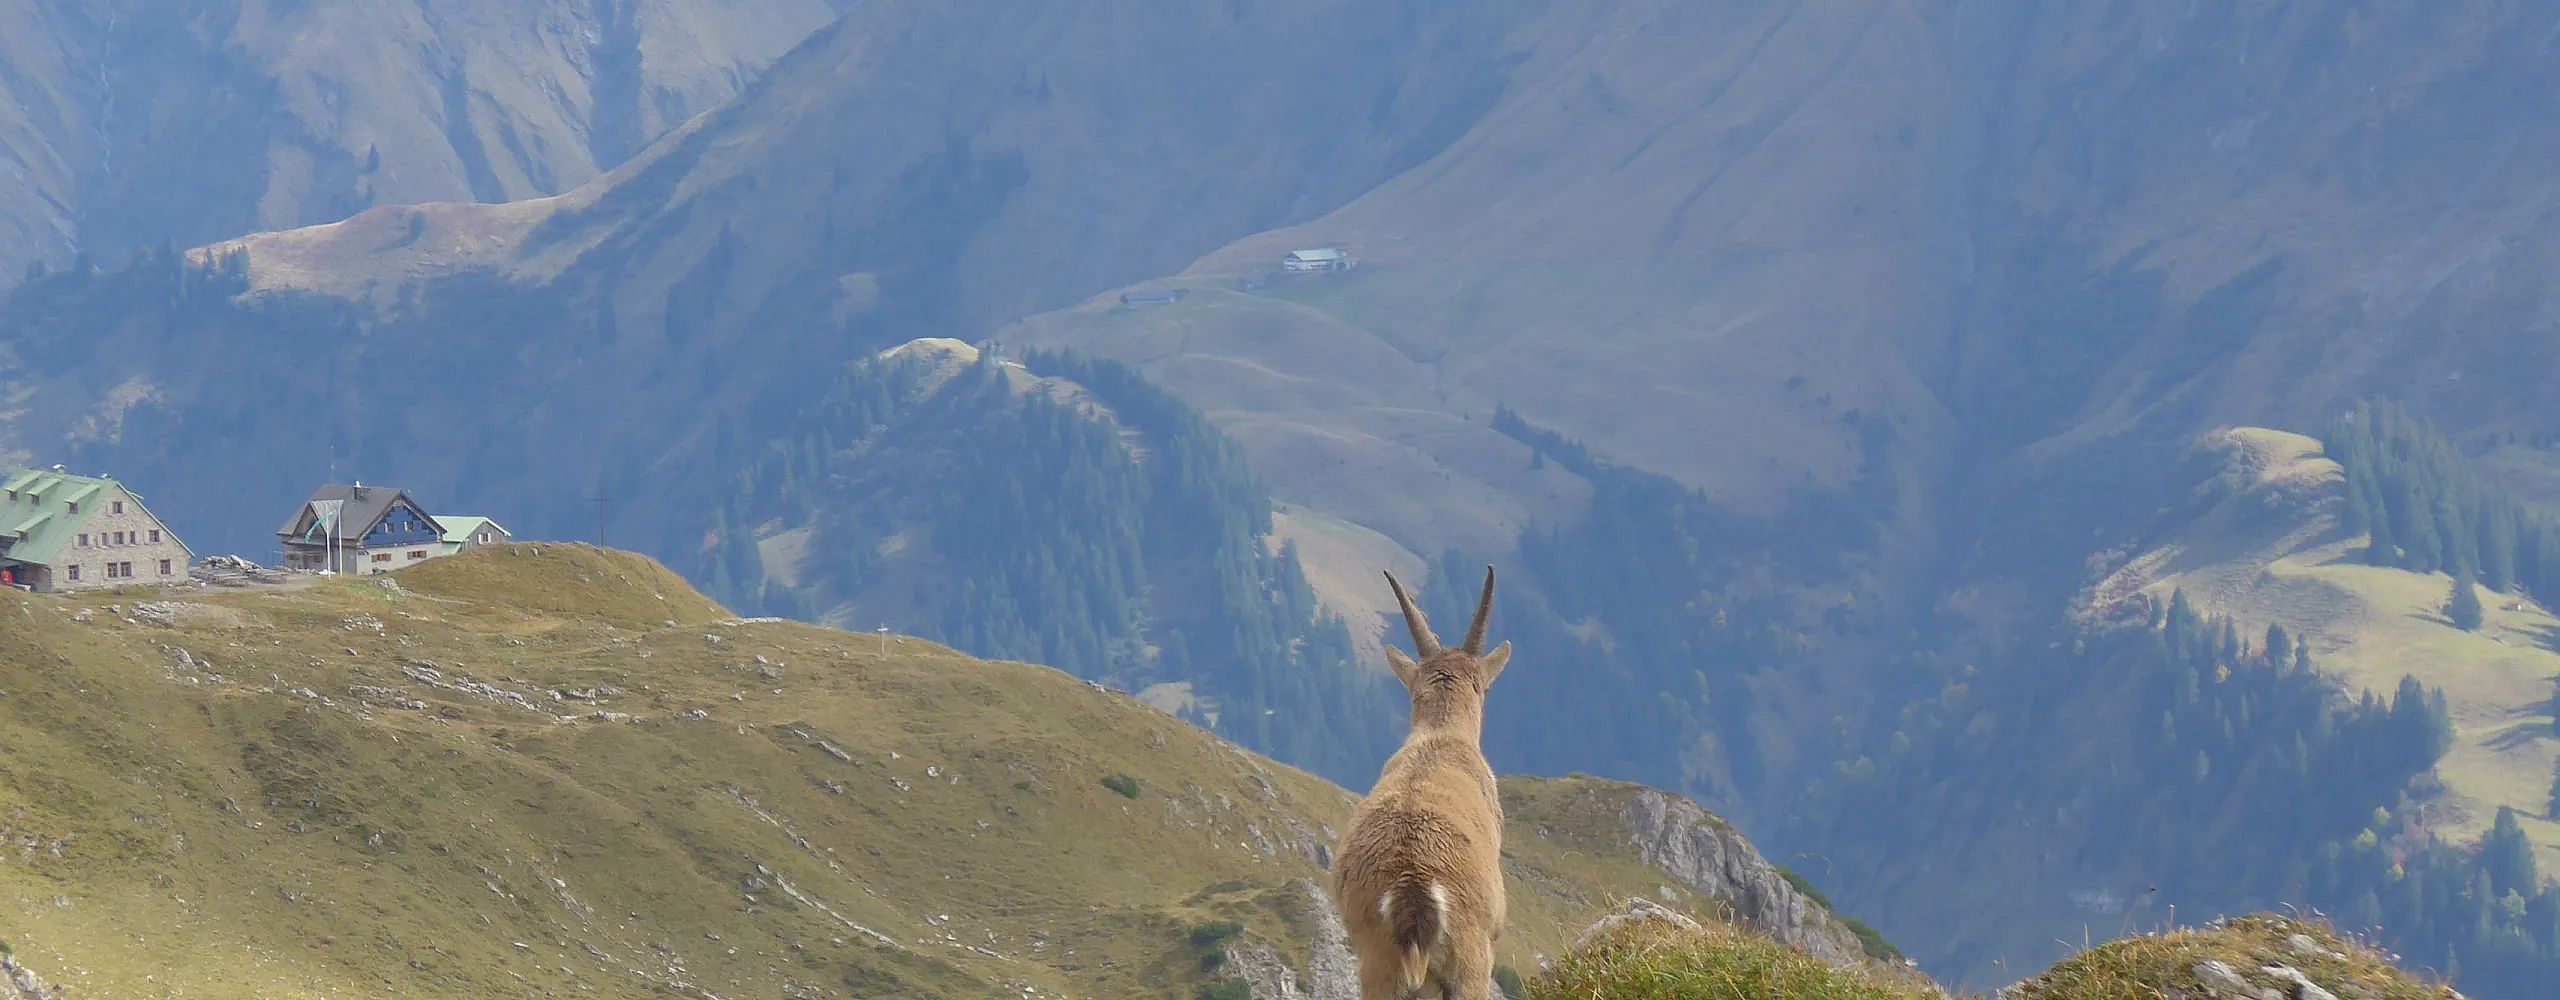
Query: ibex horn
x=1484, y=610
x=1424, y=642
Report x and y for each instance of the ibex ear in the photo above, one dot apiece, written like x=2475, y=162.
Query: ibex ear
x=1403, y=666
x=1495, y=661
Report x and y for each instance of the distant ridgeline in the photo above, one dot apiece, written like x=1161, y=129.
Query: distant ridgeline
x=1101, y=527
x=1655, y=607
x=2179, y=762
x=2427, y=509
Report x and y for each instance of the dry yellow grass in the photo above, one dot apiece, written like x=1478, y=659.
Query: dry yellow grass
x=334, y=791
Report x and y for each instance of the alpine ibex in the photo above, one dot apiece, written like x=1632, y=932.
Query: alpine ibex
x=1419, y=875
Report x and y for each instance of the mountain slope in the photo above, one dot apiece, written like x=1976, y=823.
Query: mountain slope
x=914, y=169
x=121, y=130
x=1060, y=512
x=2272, y=549
x=530, y=770
x=1955, y=285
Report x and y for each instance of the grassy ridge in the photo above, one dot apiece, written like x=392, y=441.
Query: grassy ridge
x=1660, y=960
x=1656, y=960
x=551, y=770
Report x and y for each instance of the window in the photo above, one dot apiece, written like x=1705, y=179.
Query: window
x=164, y=567
x=75, y=572
x=119, y=538
x=417, y=553
x=84, y=539
x=118, y=507
x=484, y=538
x=155, y=536
x=75, y=507
x=382, y=557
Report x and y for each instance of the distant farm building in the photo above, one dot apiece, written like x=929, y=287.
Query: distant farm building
x=360, y=529
x=1318, y=259
x=462, y=534
x=1152, y=297
x=64, y=532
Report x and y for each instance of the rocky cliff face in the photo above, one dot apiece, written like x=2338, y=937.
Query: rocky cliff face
x=1705, y=854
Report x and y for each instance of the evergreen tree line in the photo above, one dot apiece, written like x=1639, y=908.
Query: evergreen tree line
x=1643, y=619
x=1129, y=548
x=2256, y=784
x=2481, y=917
x=2424, y=508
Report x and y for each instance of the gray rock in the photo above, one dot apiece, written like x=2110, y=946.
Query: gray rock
x=1712, y=859
x=2304, y=988
x=17, y=982
x=1638, y=910
x=1331, y=971
x=2219, y=978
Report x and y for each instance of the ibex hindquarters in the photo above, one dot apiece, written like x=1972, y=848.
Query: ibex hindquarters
x=1422, y=917
x=1419, y=875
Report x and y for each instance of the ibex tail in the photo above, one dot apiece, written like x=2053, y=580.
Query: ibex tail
x=1414, y=914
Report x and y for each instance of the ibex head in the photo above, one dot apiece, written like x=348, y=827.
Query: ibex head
x=1447, y=681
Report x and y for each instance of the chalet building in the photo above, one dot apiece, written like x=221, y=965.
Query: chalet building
x=462, y=534
x=360, y=529
x=1317, y=259
x=61, y=532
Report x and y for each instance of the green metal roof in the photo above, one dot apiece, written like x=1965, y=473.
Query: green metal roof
x=23, y=528
x=37, y=507
x=460, y=529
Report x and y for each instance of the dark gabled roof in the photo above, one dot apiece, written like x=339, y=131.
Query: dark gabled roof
x=357, y=509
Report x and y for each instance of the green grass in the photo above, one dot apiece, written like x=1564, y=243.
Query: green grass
x=270, y=820
x=1654, y=960
x=2162, y=965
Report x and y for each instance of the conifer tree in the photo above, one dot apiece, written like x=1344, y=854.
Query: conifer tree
x=2506, y=856
x=2279, y=647
x=2463, y=604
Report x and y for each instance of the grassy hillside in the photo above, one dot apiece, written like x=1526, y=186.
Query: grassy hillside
x=1661, y=959
x=2267, y=548
x=540, y=770
x=2258, y=951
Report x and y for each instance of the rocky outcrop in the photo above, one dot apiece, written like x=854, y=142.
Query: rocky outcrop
x=18, y=983
x=1329, y=973
x=1692, y=845
x=1638, y=910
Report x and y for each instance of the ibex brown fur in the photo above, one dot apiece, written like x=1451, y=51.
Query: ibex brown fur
x=1419, y=876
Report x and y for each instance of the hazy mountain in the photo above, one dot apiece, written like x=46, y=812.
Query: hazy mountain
x=124, y=127
x=1815, y=365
